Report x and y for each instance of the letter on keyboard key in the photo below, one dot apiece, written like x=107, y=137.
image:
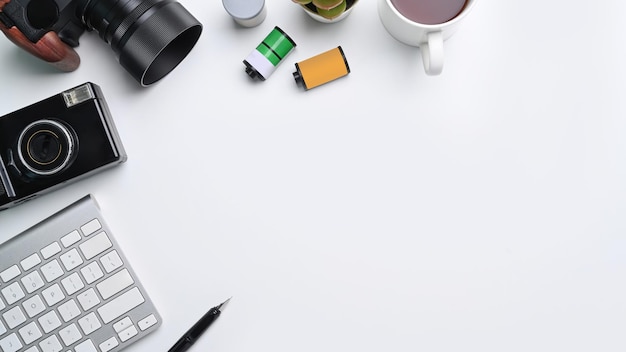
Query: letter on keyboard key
x=30, y=333
x=49, y=321
x=10, y=343
x=53, y=295
x=33, y=306
x=14, y=317
x=96, y=245
x=120, y=305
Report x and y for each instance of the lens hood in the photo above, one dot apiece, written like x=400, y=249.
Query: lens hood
x=156, y=41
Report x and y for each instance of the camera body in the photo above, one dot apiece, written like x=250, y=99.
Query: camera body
x=35, y=18
x=149, y=37
x=54, y=142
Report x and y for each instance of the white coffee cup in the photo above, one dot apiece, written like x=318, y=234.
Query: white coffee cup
x=428, y=37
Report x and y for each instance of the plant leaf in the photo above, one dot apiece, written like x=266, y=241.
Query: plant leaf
x=334, y=12
x=327, y=4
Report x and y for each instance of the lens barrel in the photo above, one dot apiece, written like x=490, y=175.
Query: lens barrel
x=150, y=37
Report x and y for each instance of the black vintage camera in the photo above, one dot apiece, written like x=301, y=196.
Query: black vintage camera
x=149, y=37
x=54, y=142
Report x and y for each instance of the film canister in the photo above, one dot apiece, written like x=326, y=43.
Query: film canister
x=247, y=13
x=262, y=61
x=321, y=68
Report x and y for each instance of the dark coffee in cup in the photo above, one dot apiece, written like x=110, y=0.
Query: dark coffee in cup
x=429, y=11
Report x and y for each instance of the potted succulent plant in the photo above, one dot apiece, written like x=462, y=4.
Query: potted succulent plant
x=327, y=11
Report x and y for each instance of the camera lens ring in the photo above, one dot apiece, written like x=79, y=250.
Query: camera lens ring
x=46, y=147
x=150, y=37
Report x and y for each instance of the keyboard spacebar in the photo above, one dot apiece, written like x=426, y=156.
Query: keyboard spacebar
x=120, y=305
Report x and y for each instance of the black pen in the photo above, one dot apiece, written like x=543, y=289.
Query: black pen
x=190, y=337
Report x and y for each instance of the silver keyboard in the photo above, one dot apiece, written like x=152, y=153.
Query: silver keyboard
x=65, y=285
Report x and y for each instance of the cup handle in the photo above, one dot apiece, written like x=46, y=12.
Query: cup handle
x=432, y=53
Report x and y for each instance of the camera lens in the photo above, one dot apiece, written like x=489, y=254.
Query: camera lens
x=46, y=147
x=150, y=37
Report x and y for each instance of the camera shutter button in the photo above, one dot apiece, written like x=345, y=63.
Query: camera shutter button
x=42, y=14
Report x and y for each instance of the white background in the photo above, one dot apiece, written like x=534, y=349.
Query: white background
x=480, y=210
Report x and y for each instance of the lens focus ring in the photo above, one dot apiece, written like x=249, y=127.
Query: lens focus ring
x=46, y=147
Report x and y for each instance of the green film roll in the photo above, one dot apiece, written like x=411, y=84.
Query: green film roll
x=262, y=61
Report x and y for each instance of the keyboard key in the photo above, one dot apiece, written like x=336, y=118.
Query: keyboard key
x=111, y=261
x=30, y=333
x=85, y=346
x=147, y=322
x=53, y=295
x=49, y=321
x=72, y=284
x=122, y=325
x=69, y=310
x=89, y=323
x=91, y=227
x=50, y=344
x=92, y=272
x=127, y=334
x=95, y=245
x=50, y=250
x=10, y=273
x=109, y=344
x=114, y=284
x=30, y=262
x=11, y=343
x=52, y=271
x=70, y=238
x=3, y=329
x=71, y=259
x=32, y=282
x=88, y=299
x=13, y=293
x=70, y=335
x=14, y=317
x=120, y=305
x=33, y=306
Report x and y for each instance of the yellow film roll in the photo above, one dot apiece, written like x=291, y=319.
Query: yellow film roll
x=321, y=68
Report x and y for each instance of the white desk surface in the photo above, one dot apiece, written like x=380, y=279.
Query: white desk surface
x=480, y=210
